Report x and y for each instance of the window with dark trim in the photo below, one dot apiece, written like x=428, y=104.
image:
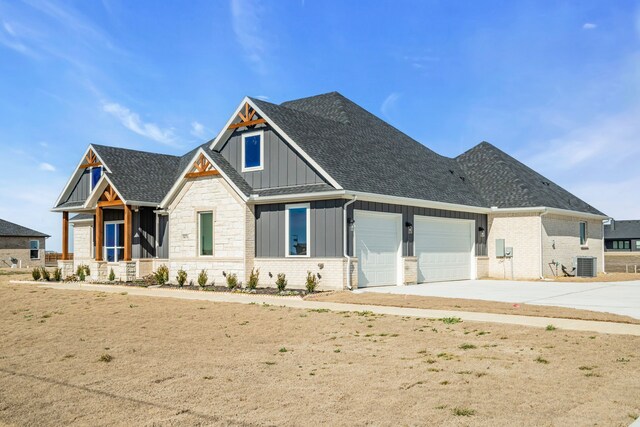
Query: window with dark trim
x=96, y=174
x=34, y=249
x=583, y=233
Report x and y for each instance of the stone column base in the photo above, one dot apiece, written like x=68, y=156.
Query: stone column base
x=409, y=270
x=66, y=267
x=98, y=270
x=127, y=271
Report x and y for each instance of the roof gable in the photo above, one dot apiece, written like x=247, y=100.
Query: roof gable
x=622, y=230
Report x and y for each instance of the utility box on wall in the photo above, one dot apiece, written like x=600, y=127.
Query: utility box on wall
x=500, y=248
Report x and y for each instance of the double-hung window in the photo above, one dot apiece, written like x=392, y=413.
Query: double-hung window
x=637, y=245
x=297, y=226
x=96, y=173
x=205, y=233
x=252, y=151
x=34, y=249
x=583, y=233
x=114, y=240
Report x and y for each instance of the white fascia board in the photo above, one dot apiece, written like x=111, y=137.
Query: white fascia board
x=77, y=173
x=142, y=204
x=224, y=134
x=541, y=209
x=407, y=201
x=182, y=180
x=284, y=198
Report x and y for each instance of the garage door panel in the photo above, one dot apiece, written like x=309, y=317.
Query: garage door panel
x=443, y=249
x=377, y=244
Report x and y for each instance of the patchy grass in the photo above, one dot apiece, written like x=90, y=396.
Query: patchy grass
x=550, y=328
x=467, y=346
x=541, y=360
x=463, y=412
x=451, y=320
x=106, y=357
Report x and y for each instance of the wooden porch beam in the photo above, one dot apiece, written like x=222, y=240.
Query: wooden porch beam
x=65, y=235
x=109, y=203
x=249, y=123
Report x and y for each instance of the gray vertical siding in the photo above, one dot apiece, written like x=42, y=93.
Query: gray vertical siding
x=163, y=236
x=144, y=230
x=325, y=224
x=408, y=213
x=282, y=166
x=81, y=188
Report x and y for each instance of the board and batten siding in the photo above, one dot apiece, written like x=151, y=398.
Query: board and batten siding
x=81, y=189
x=143, y=230
x=163, y=237
x=327, y=225
x=283, y=167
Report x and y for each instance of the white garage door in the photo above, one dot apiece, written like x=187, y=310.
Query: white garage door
x=444, y=248
x=378, y=243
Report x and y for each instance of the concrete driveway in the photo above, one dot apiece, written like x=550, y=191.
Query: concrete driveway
x=614, y=297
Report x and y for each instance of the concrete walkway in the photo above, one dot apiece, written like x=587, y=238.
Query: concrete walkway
x=611, y=297
x=296, y=302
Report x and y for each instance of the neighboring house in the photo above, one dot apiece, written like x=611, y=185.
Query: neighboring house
x=622, y=236
x=319, y=184
x=22, y=245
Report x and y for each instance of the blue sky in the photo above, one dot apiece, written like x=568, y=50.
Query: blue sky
x=552, y=83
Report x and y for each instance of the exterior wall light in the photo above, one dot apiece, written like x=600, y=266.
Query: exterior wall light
x=409, y=227
x=482, y=232
x=351, y=223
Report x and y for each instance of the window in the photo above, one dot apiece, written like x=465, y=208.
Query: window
x=252, y=151
x=297, y=230
x=114, y=241
x=205, y=226
x=622, y=244
x=583, y=233
x=34, y=249
x=96, y=173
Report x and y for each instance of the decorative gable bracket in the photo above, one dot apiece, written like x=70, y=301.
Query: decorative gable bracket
x=247, y=118
x=109, y=197
x=202, y=167
x=91, y=160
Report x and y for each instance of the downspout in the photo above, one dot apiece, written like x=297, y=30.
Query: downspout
x=345, y=239
x=543, y=213
x=603, y=260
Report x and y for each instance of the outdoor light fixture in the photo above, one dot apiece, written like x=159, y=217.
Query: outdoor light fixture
x=351, y=223
x=481, y=230
x=409, y=227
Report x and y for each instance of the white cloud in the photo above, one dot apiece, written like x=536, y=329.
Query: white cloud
x=198, y=130
x=47, y=167
x=246, y=23
x=589, y=26
x=263, y=97
x=132, y=121
x=8, y=28
x=389, y=103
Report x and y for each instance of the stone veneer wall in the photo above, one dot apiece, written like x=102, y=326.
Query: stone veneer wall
x=207, y=194
x=82, y=237
x=331, y=270
x=561, y=241
x=409, y=270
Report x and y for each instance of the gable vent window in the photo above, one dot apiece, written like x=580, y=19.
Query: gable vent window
x=252, y=151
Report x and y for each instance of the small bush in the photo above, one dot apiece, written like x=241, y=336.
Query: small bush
x=36, y=274
x=162, y=275
x=82, y=272
x=106, y=357
x=467, y=347
x=312, y=282
x=463, y=412
x=71, y=278
x=57, y=274
x=181, y=278
x=81, y=275
x=551, y=328
x=45, y=274
x=150, y=279
x=112, y=275
x=203, y=278
x=254, y=278
x=281, y=282
x=541, y=360
x=451, y=320
x=232, y=280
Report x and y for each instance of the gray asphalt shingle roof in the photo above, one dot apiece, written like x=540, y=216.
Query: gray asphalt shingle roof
x=9, y=229
x=623, y=230
x=507, y=183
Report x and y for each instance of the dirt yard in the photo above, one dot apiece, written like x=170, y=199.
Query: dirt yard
x=90, y=358
x=478, y=306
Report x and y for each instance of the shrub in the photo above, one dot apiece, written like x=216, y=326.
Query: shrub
x=150, y=279
x=312, y=282
x=254, y=278
x=550, y=328
x=162, y=275
x=281, y=282
x=45, y=274
x=232, y=280
x=112, y=275
x=35, y=273
x=203, y=278
x=71, y=278
x=57, y=274
x=81, y=275
x=451, y=320
x=82, y=271
x=181, y=278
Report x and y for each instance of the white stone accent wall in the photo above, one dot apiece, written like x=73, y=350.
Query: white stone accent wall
x=561, y=241
x=207, y=194
x=409, y=270
x=523, y=233
x=82, y=236
x=332, y=272
x=482, y=267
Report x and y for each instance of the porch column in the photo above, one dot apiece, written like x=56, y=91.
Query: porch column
x=65, y=235
x=127, y=233
x=99, y=233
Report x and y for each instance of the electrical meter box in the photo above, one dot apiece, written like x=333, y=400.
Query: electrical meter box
x=500, y=248
x=508, y=252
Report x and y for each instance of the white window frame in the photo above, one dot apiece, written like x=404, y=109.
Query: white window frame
x=253, y=168
x=115, y=248
x=91, y=186
x=287, y=208
x=213, y=233
x=38, y=249
x=586, y=234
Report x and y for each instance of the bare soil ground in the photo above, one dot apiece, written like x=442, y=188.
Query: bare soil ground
x=85, y=358
x=474, y=305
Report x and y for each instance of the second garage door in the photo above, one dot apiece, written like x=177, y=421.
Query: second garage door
x=378, y=243
x=444, y=248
